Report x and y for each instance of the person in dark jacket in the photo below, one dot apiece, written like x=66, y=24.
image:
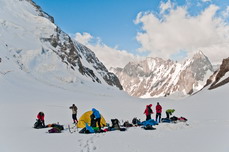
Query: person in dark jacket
x=41, y=118
x=95, y=118
x=148, y=111
x=158, y=112
x=74, y=113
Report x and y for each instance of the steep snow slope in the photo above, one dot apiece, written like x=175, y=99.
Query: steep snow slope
x=43, y=50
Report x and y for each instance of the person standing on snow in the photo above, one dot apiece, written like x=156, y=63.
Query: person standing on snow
x=158, y=112
x=41, y=118
x=74, y=113
x=148, y=111
x=95, y=118
x=169, y=112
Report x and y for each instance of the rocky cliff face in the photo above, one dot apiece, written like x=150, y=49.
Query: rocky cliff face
x=40, y=11
x=42, y=49
x=155, y=77
x=90, y=57
x=220, y=77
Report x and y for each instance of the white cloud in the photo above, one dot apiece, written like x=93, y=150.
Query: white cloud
x=110, y=57
x=226, y=12
x=177, y=30
x=83, y=38
x=165, y=6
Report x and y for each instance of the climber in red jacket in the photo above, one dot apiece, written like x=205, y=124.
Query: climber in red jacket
x=41, y=118
x=158, y=112
x=148, y=111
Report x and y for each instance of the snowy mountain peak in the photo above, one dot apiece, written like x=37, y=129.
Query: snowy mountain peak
x=155, y=77
x=41, y=12
x=32, y=43
x=199, y=64
x=200, y=56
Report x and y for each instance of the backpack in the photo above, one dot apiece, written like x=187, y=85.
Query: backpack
x=38, y=124
x=182, y=119
x=174, y=118
x=136, y=121
x=165, y=120
x=115, y=124
x=87, y=130
x=149, y=127
x=84, y=131
x=54, y=130
x=60, y=127
x=150, y=110
x=127, y=124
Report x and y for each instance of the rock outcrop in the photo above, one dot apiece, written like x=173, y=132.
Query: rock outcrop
x=220, y=77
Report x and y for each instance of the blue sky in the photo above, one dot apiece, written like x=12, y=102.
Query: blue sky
x=119, y=25
x=111, y=20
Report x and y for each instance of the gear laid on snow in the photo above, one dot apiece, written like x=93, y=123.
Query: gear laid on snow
x=56, y=128
x=92, y=121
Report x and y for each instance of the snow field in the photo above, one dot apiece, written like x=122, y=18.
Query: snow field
x=206, y=130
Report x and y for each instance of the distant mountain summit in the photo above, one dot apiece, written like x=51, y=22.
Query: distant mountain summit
x=32, y=43
x=155, y=77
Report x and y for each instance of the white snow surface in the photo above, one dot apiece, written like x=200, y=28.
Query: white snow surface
x=22, y=97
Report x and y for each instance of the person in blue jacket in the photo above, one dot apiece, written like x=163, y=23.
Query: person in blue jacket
x=95, y=118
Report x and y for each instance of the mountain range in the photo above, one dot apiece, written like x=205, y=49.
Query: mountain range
x=156, y=77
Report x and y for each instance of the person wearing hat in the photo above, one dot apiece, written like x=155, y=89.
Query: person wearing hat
x=148, y=111
x=74, y=113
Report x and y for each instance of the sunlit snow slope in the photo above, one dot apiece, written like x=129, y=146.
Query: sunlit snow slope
x=32, y=43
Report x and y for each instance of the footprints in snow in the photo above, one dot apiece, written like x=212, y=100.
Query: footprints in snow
x=88, y=145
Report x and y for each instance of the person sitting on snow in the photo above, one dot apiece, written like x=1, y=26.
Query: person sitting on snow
x=169, y=112
x=95, y=118
x=41, y=118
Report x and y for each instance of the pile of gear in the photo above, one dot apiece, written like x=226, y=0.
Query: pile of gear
x=93, y=122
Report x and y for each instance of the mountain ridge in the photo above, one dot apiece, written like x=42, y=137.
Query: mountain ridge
x=156, y=77
x=41, y=48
